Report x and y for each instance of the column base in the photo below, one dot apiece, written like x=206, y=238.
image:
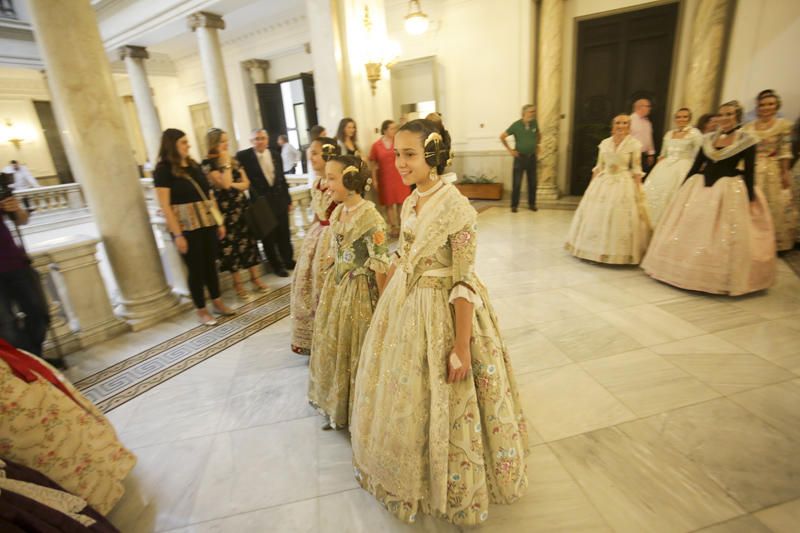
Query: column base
x=547, y=192
x=67, y=343
x=149, y=310
x=104, y=331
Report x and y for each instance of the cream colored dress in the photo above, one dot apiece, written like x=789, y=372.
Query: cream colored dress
x=421, y=445
x=611, y=224
x=774, y=145
x=348, y=298
x=308, y=272
x=670, y=172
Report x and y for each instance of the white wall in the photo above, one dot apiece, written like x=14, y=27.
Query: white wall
x=18, y=89
x=763, y=53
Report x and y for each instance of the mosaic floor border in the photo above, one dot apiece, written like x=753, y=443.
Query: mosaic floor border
x=124, y=381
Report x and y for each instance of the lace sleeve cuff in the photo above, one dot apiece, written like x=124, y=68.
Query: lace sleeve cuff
x=462, y=290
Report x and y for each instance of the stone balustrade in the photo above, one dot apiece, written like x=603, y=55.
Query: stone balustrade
x=53, y=198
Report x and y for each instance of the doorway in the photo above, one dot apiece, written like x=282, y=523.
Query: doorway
x=620, y=58
x=201, y=123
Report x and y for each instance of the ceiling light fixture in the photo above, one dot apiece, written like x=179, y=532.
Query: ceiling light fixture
x=416, y=21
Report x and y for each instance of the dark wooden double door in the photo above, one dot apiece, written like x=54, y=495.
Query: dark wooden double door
x=270, y=105
x=620, y=58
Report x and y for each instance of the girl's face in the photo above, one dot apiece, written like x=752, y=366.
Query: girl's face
x=350, y=130
x=223, y=143
x=315, y=157
x=682, y=118
x=621, y=125
x=410, y=158
x=727, y=117
x=183, y=147
x=767, y=107
x=336, y=188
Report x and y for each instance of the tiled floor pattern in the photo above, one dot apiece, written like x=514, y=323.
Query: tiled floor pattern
x=653, y=410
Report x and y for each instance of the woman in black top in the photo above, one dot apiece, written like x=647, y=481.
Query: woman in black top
x=346, y=135
x=188, y=206
x=239, y=250
x=716, y=236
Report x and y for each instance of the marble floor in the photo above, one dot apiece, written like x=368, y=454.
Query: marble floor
x=653, y=410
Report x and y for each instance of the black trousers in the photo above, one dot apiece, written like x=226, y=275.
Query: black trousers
x=278, y=245
x=646, y=168
x=525, y=163
x=21, y=291
x=201, y=261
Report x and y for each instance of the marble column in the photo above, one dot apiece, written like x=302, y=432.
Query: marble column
x=548, y=90
x=703, y=79
x=257, y=70
x=327, y=56
x=134, y=57
x=100, y=154
x=207, y=26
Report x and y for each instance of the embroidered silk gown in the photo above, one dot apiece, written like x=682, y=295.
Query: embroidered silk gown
x=308, y=271
x=421, y=445
x=717, y=235
x=611, y=223
x=669, y=173
x=774, y=145
x=348, y=299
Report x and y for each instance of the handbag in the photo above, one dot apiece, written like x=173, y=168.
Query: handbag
x=260, y=219
x=213, y=210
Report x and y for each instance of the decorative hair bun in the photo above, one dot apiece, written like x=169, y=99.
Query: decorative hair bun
x=330, y=148
x=356, y=175
x=435, y=142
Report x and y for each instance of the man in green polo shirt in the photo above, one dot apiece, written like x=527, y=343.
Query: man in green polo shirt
x=526, y=137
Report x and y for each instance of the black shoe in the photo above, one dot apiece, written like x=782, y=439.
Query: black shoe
x=281, y=272
x=513, y=209
x=291, y=265
x=58, y=363
x=534, y=208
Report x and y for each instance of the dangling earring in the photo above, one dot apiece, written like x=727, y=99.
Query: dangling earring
x=432, y=175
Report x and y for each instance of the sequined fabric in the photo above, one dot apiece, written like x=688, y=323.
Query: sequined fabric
x=421, y=445
x=348, y=297
x=611, y=224
x=670, y=172
x=773, y=146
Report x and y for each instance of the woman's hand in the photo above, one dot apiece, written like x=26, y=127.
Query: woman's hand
x=459, y=367
x=221, y=232
x=181, y=244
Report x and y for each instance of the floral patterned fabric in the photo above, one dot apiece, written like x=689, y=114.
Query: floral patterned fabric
x=348, y=299
x=419, y=443
x=238, y=250
x=71, y=443
x=308, y=273
x=774, y=145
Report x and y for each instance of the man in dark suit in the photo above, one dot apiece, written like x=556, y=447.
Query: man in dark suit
x=265, y=170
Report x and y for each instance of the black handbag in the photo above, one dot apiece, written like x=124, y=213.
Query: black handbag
x=260, y=219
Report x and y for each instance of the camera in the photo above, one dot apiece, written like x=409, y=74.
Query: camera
x=6, y=183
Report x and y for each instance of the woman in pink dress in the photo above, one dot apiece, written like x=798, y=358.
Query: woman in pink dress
x=392, y=192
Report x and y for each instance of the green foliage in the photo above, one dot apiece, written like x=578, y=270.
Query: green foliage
x=483, y=178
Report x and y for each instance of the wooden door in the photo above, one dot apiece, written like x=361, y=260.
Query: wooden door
x=620, y=58
x=270, y=105
x=51, y=134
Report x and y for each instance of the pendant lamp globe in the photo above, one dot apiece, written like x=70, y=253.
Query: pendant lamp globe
x=416, y=21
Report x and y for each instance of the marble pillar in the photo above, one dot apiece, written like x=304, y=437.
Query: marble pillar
x=134, y=57
x=703, y=79
x=327, y=56
x=84, y=95
x=207, y=26
x=548, y=91
x=257, y=70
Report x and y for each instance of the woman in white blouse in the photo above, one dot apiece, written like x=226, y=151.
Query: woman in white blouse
x=678, y=151
x=611, y=223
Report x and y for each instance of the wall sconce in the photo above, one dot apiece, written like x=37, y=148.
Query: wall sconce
x=381, y=53
x=15, y=134
x=416, y=21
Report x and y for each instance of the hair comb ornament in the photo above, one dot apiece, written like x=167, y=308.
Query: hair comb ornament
x=450, y=157
x=329, y=151
x=350, y=170
x=433, y=156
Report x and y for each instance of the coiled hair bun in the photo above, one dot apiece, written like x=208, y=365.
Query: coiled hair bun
x=435, y=142
x=356, y=175
x=329, y=147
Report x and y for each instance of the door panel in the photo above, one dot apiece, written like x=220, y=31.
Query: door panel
x=620, y=58
x=270, y=104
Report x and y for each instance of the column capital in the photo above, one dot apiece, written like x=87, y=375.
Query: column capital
x=135, y=52
x=256, y=63
x=204, y=19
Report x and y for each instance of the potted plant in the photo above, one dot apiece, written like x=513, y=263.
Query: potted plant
x=480, y=187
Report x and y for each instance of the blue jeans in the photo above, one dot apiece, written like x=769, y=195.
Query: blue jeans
x=24, y=314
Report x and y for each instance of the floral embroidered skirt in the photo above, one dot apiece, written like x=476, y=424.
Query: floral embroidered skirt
x=419, y=443
x=303, y=304
x=611, y=223
x=343, y=316
x=713, y=239
x=779, y=200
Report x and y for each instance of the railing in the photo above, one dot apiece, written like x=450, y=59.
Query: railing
x=53, y=198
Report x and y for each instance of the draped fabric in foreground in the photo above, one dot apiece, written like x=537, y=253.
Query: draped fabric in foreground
x=419, y=443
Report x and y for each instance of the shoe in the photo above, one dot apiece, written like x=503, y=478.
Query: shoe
x=242, y=293
x=534, y=208
x=281, y=272
x=224, y=312
x=513, y=209
x=258, y=286
x=291, y=265
x=327, y=426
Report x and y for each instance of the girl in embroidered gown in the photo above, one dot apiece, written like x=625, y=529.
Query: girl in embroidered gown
x=717, y=235
x=350, y=291
x=773, y=158
x=437, y=426
x=678, y=151
x=611, y=223
x=308, y=271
